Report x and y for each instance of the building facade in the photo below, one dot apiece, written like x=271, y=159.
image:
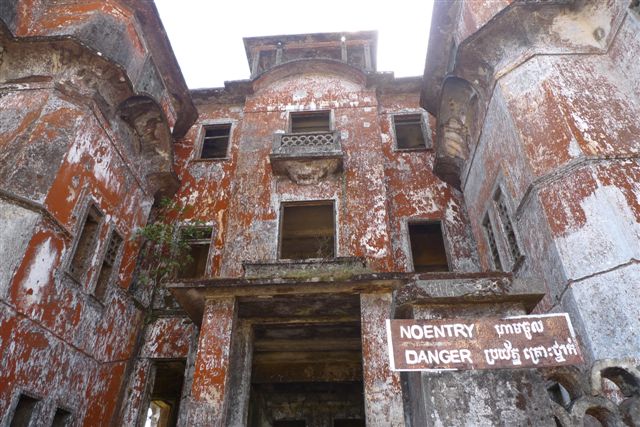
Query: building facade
x=322, y=197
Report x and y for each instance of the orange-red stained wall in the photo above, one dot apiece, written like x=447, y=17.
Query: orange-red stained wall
x=378, y=191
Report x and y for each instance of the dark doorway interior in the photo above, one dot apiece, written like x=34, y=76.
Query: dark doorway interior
x=427, y=247
x=307, y=375
x=164, y=398
x=307, y=230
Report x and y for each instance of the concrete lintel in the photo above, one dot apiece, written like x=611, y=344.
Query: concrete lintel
x=192, y=296
x=471, y=291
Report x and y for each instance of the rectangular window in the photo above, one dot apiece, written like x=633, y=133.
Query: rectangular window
x=408, y=130
x=62, y=418
x=215, y=142
x=427, y=247
x=199, y=241
x=348, y=423
x=493, y=247
x=311, y=121
x=86, y=246
x=507, y=225
x=307, y=230
x=108, y=263
x=24, y=412
x=289, y=423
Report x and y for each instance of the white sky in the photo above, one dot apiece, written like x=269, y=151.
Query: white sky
x=206, y=35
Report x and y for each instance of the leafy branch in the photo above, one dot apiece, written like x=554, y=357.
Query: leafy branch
x=166, y=242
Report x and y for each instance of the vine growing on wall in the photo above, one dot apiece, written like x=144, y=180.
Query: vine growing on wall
x=165, y=243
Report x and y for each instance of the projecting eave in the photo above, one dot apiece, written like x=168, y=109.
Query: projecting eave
x=252, y=44
x=409, y=289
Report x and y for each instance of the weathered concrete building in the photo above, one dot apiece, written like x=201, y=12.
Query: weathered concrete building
x=322, y=197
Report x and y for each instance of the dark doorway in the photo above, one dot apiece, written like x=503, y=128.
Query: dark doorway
x=164, y=398
x=307, y=375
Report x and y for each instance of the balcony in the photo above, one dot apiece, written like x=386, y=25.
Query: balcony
x=307, y=157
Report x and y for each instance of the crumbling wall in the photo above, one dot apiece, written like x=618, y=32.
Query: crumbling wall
x=374, y=195
x=70, y=138
x=415, y=193
x=560, y=136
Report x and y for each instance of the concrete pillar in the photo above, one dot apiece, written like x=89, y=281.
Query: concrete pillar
x=367, y=57
x=210, y=390
x=255, y=61
x=240, y=381
x=477, y=398
x=382, y=390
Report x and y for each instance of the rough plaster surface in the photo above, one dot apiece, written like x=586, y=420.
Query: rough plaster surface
x=17, y=226
x=606, y=312
x=485, y=398
x=382, y=389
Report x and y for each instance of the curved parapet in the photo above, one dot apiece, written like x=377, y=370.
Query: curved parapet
x=127, y=33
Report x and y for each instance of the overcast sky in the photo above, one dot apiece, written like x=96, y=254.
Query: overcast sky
x=206, y=35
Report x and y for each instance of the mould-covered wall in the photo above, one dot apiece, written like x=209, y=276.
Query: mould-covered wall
x=377, y=191
x=560, y=139
x=414, y=193
x=74, y=133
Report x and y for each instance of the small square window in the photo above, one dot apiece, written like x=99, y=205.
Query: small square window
x=62, y=418
x=427, y=247
x=215, y=142
x=24, y=412
x=289, y=423
x=311, y=121
x=307, y=231
x=408, y=130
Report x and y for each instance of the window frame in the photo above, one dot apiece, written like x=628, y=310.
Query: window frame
x=412, y=221
x=69, y=411
x=37, y=410
x=319, y=202
x=292, y=114
x=202, y=136
x=424, y=127
x=201, y=242
x=80, y=225
x=508, y=261
x=113, y=232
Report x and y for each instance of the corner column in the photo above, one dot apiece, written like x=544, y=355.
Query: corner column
x=382, y=389
x=209, y=392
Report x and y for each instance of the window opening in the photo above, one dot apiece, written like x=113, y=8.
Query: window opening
x=86, y=243
x=408, y=129
x=289, y=423
x=307, y=231
x=164, y=400
x=510, y=234
x=24, y=412
x=349, y=423
x=491, y=239
x=62, y=418
x=427, y=247
x=199, y=241
x=311, y=121
x=108, y=263
x=216, y=141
